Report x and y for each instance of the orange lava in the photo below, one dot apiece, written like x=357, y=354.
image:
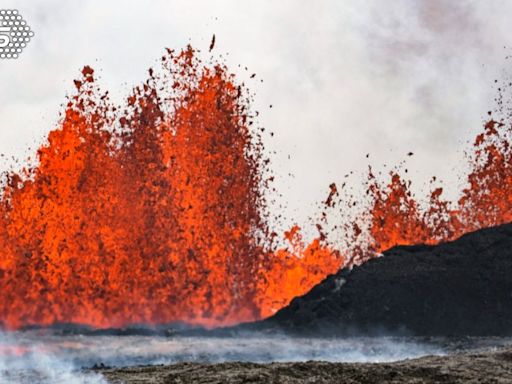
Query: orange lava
x=395, y=216
x=151, y=213
x=155, y=212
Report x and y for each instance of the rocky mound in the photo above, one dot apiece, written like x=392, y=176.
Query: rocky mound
x=459, y=288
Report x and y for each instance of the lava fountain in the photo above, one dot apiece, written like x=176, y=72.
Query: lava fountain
x=155, y=212
x=151, y=213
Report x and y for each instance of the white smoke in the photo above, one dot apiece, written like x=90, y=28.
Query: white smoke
x=29, y=364
x=43, y=356
x=345, y=78
x=51, y=355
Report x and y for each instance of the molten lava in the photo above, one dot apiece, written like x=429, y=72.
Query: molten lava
x=395, y=217
x=155, y=212
x=149, y=214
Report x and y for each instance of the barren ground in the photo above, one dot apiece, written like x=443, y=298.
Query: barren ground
x=483, y=367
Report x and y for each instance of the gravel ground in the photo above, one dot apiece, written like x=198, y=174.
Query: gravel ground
x=483, y=367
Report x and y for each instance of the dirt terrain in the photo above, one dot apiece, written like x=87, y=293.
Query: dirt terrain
x=483, y=367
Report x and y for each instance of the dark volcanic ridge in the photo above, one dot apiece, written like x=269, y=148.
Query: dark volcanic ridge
x=167, y=329
x=459, y=288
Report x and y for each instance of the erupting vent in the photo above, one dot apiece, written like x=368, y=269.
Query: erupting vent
x=396, y=218
x=156, y=220
x=155, y=212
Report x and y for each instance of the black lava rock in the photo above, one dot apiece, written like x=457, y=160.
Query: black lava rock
x=458, y=288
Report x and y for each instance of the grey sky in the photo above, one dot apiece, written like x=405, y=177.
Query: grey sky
x=345, y=78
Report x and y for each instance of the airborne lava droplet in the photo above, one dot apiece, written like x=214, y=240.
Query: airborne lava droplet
x=212, y=44
x=334, y=191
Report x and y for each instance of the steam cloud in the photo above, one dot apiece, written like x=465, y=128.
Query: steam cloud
x=35, y=363
x=43, y=357
x=345, y=78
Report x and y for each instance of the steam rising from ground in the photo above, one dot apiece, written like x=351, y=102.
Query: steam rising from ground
x=44, y=357
x=85, y=351
x=34, y=362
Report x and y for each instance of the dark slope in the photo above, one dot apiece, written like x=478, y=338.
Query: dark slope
x=459, y=288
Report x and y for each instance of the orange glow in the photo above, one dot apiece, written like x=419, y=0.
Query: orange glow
x=151, y=213
x=395, y=217
x=155, y=212
x=293, y=272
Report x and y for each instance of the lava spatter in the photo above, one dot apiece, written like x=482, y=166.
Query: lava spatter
x=155, y=212
x=151, y=213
